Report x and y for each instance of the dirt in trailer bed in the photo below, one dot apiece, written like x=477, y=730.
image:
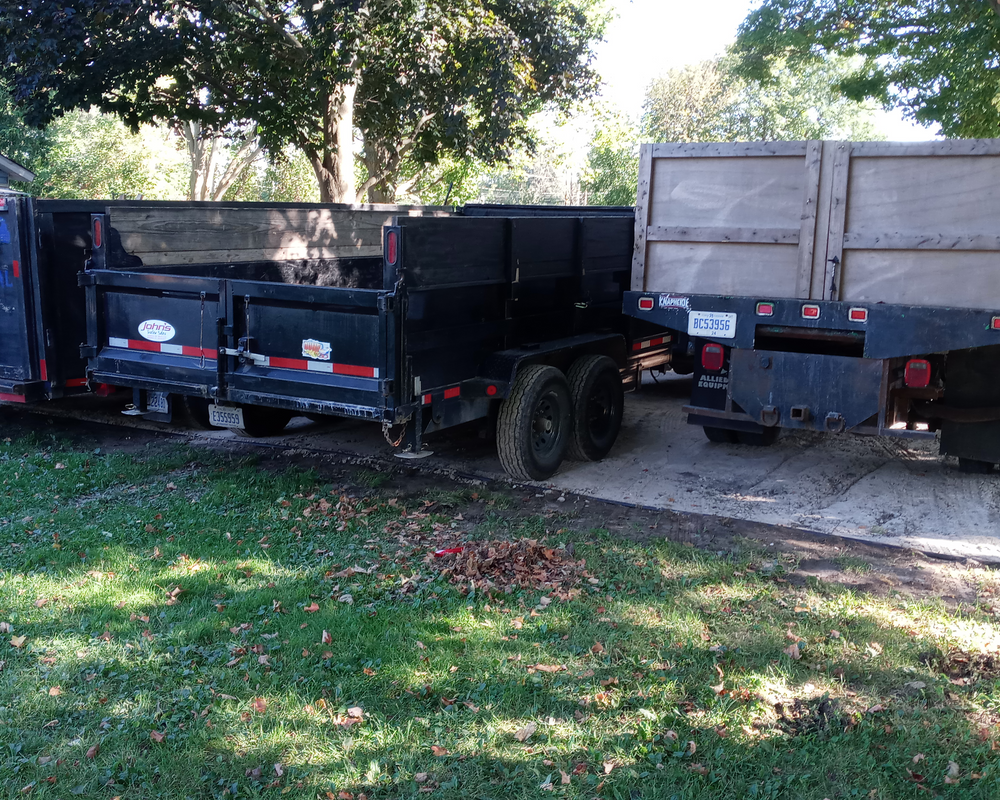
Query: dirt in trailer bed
x=488, y=507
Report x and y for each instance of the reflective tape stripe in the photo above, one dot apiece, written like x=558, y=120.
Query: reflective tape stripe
x=161, y=347
x=322, y=366
x=651, y=343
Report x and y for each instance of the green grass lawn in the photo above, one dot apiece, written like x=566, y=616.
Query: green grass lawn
x=183, y=624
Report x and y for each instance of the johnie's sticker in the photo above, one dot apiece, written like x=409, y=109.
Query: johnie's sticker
x=321, y=351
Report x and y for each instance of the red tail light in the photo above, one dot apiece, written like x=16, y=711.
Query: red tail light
x=918, y=373
x=645, y=303
x=392, y=247
x=712, y=357
x=97, y=233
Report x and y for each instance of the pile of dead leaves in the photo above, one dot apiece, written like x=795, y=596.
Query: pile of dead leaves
x=820, y=715
x=962, y=667
x=503, y=565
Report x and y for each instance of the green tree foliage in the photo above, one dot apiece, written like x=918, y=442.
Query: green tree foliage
x=419, y=79
x=612, y=162
x=93, y=155
x=90, y=155
x=712, y=102
x=938, y=60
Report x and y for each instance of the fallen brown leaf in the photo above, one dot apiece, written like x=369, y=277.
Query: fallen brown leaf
x=18, y=641
x=157, y=736
x=793, y=651
x=326, y=638
x=93, y=751
x=312, y=608
x=259, y=704
x=526, y=732
x=597, y=648
x=438, y=750
x=54, y=691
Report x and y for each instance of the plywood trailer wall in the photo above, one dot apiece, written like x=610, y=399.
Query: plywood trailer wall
x=915, y=224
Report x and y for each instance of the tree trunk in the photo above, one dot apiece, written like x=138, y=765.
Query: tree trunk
x=204, y=151
x=334, y=165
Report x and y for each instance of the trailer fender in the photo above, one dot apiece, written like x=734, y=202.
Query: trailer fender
x=503, y=366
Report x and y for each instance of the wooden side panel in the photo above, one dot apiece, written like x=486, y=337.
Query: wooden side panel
x=167, y=236
x=729, y=218
x=767, y=270
x=923, y=225
x=963, y=279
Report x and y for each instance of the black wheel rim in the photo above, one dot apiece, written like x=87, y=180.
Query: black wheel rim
x=545, y=425
x=601, y=410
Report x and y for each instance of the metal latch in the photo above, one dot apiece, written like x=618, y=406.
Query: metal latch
x=244, y=355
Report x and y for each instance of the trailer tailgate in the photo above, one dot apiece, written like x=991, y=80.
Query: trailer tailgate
x=321, y=349
x=329, y=345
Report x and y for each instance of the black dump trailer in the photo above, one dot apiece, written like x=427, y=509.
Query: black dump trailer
x=44, y=244
x=418, y=319
x=829, y=286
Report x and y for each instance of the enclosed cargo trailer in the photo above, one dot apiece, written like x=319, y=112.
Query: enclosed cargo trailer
x=830, y=286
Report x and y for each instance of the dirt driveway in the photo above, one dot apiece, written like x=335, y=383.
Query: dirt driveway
x=875, y=490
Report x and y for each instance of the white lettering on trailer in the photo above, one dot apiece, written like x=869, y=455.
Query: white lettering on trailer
x=675, y=301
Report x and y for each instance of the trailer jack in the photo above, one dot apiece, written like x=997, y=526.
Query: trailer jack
x=413, y=447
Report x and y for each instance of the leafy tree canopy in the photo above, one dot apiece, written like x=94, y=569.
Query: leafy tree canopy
x=938, y=60
x=710, y=101
x=419, y=79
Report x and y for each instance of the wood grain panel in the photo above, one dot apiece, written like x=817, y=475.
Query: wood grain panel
x=922, y=277
x=766, y=270
x=957, y=195
x=746, y=192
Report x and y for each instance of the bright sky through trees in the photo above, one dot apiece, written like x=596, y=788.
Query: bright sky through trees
x=650, y=37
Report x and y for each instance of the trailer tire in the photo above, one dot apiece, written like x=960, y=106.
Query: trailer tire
x=720, y=435
x=762, y=438
x=595, y=387
x=535, y=423
x=260, y=422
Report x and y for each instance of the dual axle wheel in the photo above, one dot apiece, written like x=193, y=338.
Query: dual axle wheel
x=549, y=416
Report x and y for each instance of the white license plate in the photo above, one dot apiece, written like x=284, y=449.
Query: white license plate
x=225, y=416
x=712, y=324
x=157, y=402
